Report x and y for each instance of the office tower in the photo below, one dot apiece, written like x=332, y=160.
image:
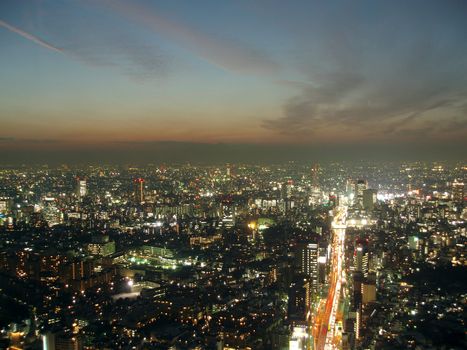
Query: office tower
x=359, y=188
x=369, y=288
x=299, y=300
x=81, y=188
x=369, y=199
x=357, y=282
x=51, y=213
x=48, y=341
x=350, y=188
x=227, y=213
x=315, y=195
x=101, y=246
x=322, y=262
x=138, y=192
x=457, y=191
x=361, y=257
x=414, y=242
x=307, y=257
x=287, y=190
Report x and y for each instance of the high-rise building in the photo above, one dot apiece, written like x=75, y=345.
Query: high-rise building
x=299, y=300
x=359, y=188
x=369, y=289
x=102, y=247
x=308, y=256
x=81, y=188
x=228, y=213
x=361, y=257
x=138, y=192
x=457, y=191
x=350, y=191
x=315, y=195
x=369, y=199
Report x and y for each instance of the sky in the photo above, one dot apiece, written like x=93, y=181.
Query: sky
x=232, y=80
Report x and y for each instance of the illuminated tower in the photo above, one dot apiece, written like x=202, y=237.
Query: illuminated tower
x=138, y=191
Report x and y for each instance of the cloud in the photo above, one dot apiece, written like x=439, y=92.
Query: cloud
x=138, y=61
x=30, y=37
x=223, y=52
x=356, y=99
x=220, y=153
x=369, y=78
x=11, y=139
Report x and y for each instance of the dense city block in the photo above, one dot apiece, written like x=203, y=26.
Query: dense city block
x=290, y=256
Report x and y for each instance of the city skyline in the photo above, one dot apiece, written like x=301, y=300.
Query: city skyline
x=243, y=81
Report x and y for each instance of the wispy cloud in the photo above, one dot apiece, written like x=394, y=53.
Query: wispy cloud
x=15, y=140
x=366, y=88
x=30, y=37
x=226, y=53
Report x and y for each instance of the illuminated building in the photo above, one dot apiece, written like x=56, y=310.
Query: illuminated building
x=360, y=187
x=52, y=215
x=101, y=248
x=308, y=256
x=61, y=341
x=369, y=199
x=299, y=300
x=369, y=289
x=48, y=341
x=457, y=191
x=315, y=197
x=138, y=191
x=228, y=213
x=81, y=187
x=361, y=257
x=414, y=242
x=350, y=190
x=5, y=204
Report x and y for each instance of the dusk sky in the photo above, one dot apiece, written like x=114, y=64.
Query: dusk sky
x=257, y=77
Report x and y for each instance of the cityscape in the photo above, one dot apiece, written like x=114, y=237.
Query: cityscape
x=321, y=256
x=233, y=175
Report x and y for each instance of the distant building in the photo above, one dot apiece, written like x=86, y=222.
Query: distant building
x=101, y=248
x=299, y=300
x=369, y=199
x=361, y=257
x=138, y=190
x=457, y=192
x=81, y=187
x=360, y=187
x=369, y=289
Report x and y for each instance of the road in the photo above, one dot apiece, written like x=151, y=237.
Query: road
x=323, y=330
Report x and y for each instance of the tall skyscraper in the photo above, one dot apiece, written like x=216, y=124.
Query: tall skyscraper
x=360, y=187
x=299, y=300
x=369, y=199
x=81, y=187
x=138, y=191
x=307, y=257
x=361, y=257
x=315, y=196
x=457, y=191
